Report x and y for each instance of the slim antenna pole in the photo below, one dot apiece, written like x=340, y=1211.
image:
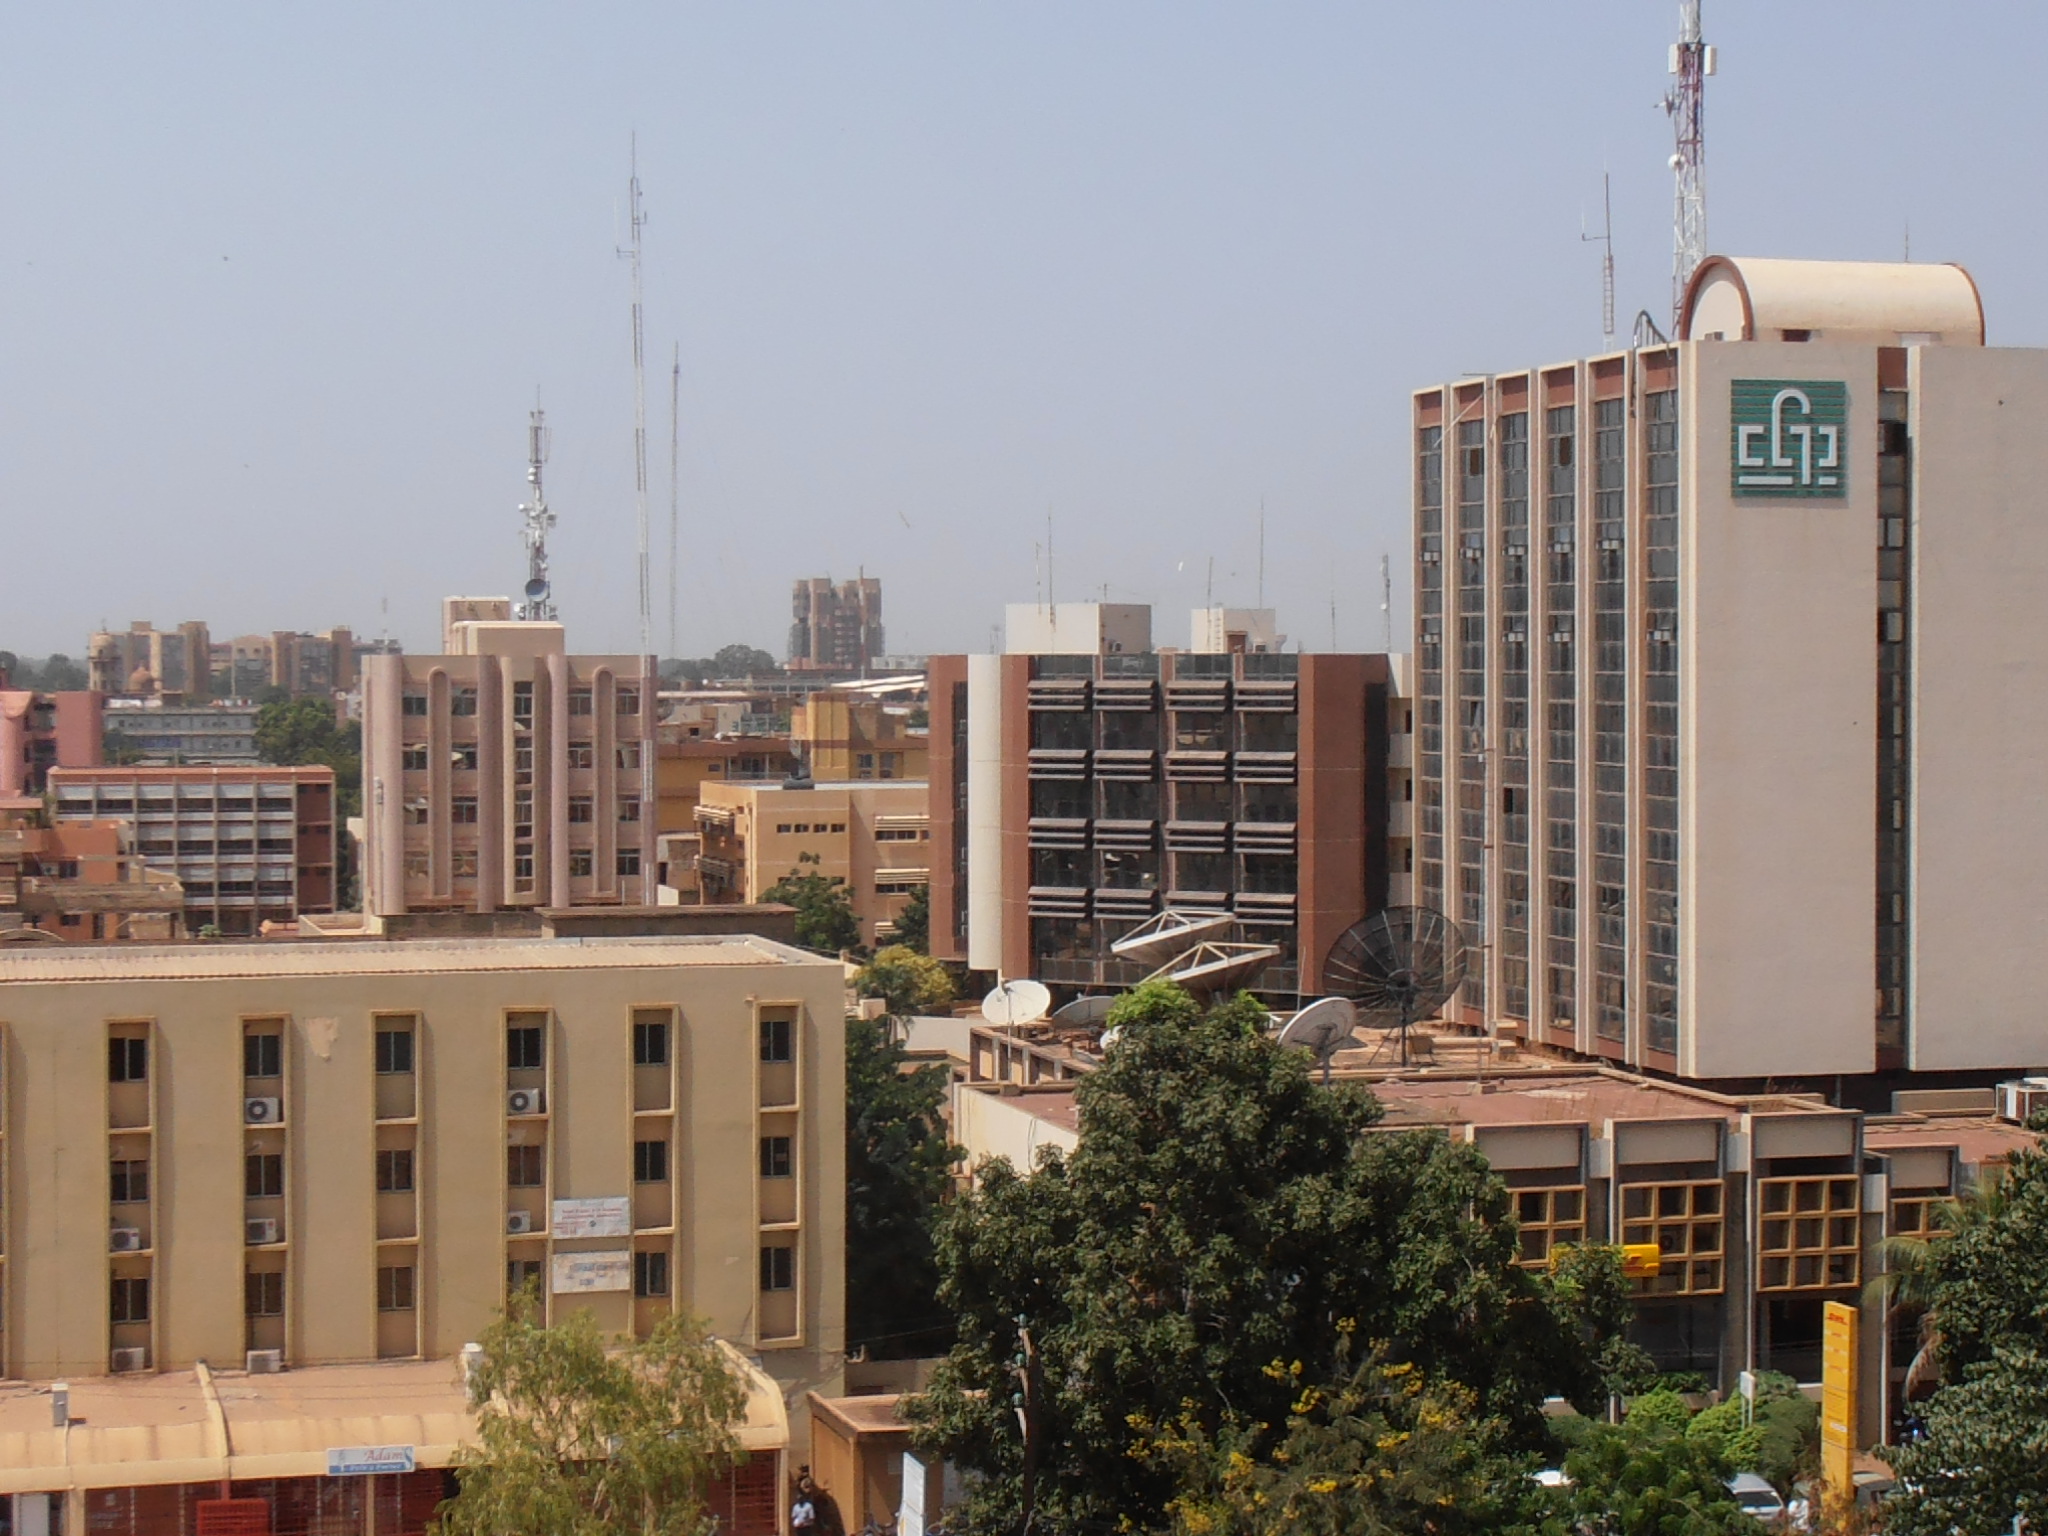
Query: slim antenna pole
x=1691, y=62
x=1262, y=552
x=636, y=220
x=539, y=604
x=1209, y=592
x=1605, y=238
x=675, y=438
x=1333, y=621
x=1387, y=603
x=1048, y=558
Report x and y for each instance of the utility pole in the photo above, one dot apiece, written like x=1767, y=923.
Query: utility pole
x=1027, y=1401
x=635, y=221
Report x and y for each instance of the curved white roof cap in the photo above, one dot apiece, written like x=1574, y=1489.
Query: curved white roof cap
x=1888, y=303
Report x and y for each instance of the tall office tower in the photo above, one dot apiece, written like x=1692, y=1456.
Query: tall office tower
x=1730, y=682
x=835, y=628
x=1083, y=782
x=507, y=774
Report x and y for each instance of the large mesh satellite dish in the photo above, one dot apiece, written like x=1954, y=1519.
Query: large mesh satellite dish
x=1396, y=966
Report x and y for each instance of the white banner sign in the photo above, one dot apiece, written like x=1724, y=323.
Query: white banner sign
x=574, y=1272
x=365, y=1460
x=608, y=1216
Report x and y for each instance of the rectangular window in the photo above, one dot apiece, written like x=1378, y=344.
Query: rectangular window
x=462, y=810
x=128, y=1299
x=413, y=704
x=263, y=1055
x=394, y=1288
x=130, y=1184
x=414, y=759
x=463, y=756
x=778, y=1269
x=650, y=1274
x=263, y=1175
x=775, y=1157
x=629, y=754
x=650, y=1162
x=579, y=701
x=582, y=809
x=629, y=861
x=629, y=810
x=263, y=1294
x=462, y=863
x=128, y=1059
x=525, y=1047
x=582, y=863
x=394, y=1170
x=582, y=755
x=520, y=1273
x=526, y=1167
x=462, y=701
x=628, y=701
x=394, y=1051
x=778, y=1039
x=650, y=1044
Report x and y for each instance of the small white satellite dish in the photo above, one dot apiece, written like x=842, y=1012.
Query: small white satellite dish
x=1110, y=1037
x=1016, y=1002
x=1084, y=1010
x=1323, y=1029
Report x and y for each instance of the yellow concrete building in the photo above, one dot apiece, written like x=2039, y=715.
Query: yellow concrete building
x=316, y=1154
x=844, y=734
x=874, y=836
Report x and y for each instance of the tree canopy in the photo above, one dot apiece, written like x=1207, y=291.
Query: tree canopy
x=906, y=981
x=730, y=661
x=914, y=923
x=898, y=1165
x=578, y=1439
x=824, y=907
x=1221, y=1214
x=57, y=674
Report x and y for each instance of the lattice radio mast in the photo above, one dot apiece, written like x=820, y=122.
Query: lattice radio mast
x=539, y=603
x=631, y=253
x=1691, y=62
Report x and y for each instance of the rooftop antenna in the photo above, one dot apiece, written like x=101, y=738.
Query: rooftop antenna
x=1605, y=238
x=1691, y=62
x=636, y=220
x=675, y=438
x=1387, y=602
x=1333, y=621
x=1262, y=553
x=538, y=605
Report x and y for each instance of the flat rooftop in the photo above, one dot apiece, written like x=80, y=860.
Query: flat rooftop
x=272, y=958
x=1977, y=1139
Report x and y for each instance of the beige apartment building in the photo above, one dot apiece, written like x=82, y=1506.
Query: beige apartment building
x=507, y=773
x=1729, y=703
x=308, y=1156
x=874, y=836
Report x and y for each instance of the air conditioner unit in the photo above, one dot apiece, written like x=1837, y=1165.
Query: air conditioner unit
x=264, y=1362
x=518, y=1221
x=2018, y=1100
x=523, y=1101
x=263, y=1111
x=125, y=1240
x=136, y=1359
x=258, y=1230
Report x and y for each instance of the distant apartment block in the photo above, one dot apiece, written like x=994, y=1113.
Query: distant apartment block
x=144, y=660
x=1078, y=793
x=836, y=628
x=847, y=734
x=41, y=731
x=249, y=845
x=507, y=773
x=80, y=881
x=874, y=837
x=153, y=730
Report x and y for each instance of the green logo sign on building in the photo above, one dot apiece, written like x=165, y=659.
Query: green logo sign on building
x=1791, y=437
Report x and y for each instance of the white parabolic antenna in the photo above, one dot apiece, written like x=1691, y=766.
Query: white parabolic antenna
x=1322, y=1029
x=1016, y=1002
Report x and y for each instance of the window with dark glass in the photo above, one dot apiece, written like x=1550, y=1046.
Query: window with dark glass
x=650, y=1162
x=394, y=1170
x=650, y=1274
x=263, y=1055
x=776, y=1159
x=525, y=1048
x=526, y=1167
x=394, y=1051
x=263, y=1175
x=778, y=1269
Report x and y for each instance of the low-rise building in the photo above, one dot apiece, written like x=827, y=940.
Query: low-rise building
x=249, y=845
x=81, y=881
x=41, y=731
x=875, y=837
x=852, y=734
x=337, y=1159
x=149, y=730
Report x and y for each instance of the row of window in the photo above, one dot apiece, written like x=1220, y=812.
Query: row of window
x=465, y=811
x=463, y=701
x=1143, y=800
x=463, y=863
x=415, y=757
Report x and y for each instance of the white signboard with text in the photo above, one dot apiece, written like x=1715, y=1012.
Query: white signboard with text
x=606, y=1216
x=609, y=1270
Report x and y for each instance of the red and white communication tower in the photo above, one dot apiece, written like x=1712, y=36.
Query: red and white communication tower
x=1691, y=62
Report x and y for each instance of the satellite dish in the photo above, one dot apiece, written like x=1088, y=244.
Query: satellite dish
x=1172, y=932
x=536, y=589
x=1016, y=1002
x=1084, y=1011
x=1109, y=1036
x=1396, y=966
x=1323, y=1029
x=1208, y=968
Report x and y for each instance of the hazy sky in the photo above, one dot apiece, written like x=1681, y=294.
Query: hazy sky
x=281, y=283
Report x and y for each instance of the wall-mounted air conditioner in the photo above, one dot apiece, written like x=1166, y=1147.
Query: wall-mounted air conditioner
x=263, y=1111
x=136, y=1359
x=259, y=1230
x=264, y=1362
x=518, y=1221
x=125, y=1240
x=524, y=1101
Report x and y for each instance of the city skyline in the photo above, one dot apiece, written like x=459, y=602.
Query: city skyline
x=936, y=279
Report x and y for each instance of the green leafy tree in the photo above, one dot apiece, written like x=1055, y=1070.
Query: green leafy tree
x=578, y=1437
x=58, y=674
x=1647, y=1477
x=1222, y=1211
x=914, y=922
x=743, y=661
x=898, y=1165
x=824, y=907
x=292, y=732
x=906, y=981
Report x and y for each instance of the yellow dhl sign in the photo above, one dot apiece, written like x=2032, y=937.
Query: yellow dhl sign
x=1641, y=1261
